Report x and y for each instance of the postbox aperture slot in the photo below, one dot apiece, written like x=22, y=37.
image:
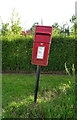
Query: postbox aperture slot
x=45, y=34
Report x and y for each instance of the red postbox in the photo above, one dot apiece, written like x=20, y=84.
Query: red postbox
x=41, y=45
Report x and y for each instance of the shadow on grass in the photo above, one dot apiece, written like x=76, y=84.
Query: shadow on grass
x=56, y=97
x=54, y=104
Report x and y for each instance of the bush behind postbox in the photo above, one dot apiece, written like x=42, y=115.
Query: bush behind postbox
x=17, y=53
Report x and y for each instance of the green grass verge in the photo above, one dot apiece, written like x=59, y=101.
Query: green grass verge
x=56, y=98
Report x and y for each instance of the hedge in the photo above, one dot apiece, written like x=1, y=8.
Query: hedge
x=17, y=54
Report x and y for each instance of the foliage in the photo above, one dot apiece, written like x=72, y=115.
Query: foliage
x=61, y=30
x=55, y=25
x=13, y=26
x=33, y=27
x=15, y=22
x=4, y=30
x=17, y=49
x=56, y=97
x=17, y=54
x=70, y=71
x=56, y=29
x=62, y=50
x=74, y=27
x=73, y=19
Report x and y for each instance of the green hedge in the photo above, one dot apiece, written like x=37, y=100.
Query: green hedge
x=17, y=54
x=62, y=50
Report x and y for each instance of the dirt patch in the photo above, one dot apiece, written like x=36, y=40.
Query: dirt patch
x=50, y=73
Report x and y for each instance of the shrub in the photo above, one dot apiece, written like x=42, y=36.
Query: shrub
x=17, y=54
x=62, y=50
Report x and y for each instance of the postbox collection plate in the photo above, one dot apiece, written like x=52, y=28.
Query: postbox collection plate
x=40, y=52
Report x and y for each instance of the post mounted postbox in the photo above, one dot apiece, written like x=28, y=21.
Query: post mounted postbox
x=41, y=45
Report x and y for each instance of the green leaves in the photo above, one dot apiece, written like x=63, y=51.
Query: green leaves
x=17, y=54
x=13, y=26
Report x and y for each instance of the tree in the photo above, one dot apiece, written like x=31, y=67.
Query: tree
x=56, y=29
x=4, y=29
x=15, y=22
x=12, y=27
x=73, y=19
x=33, y=27
x=74, y=27
x=60, y=30
x=55, y=25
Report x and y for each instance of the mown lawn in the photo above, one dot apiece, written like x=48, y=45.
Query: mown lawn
x=56, y=96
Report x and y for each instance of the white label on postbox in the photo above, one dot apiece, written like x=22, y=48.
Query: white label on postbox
x=40, y=52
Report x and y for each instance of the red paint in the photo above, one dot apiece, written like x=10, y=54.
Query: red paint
x=43, y=34
x=41, y=45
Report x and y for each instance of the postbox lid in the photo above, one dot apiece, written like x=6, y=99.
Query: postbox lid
x=43, y=29
x=43, y=34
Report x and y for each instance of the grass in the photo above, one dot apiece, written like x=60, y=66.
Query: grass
x=56, y=98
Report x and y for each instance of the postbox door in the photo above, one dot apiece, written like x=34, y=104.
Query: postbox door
x=40, y=54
